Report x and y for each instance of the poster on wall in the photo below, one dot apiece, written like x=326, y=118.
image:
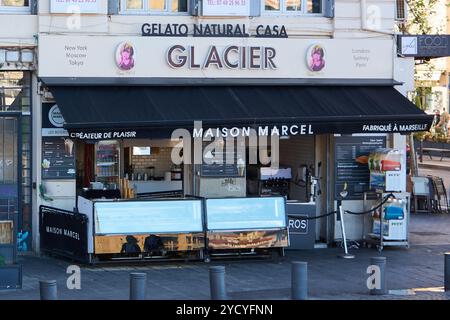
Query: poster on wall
x=351, y=158
x=226, y=8
x=76, y=6
x=58, y=158
x=58, y=150
x=220, y=162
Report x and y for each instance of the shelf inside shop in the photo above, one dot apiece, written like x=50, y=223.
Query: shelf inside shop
x=106, y=164
x=107, y=176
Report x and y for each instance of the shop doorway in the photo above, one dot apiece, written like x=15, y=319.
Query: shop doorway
x=85, y=164
x=10, y=185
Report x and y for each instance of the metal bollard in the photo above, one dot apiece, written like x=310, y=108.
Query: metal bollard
x=217, y=283
x=138, y=283
x=299, y=280
x=381, y=263
x=447, y=271
x=47, y=290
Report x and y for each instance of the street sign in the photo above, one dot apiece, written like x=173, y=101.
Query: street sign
x=424, y=46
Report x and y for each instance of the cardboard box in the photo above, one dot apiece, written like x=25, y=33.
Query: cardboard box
x=6, y=232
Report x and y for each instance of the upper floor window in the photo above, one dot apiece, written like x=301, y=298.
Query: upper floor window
x=154, y=6
x=14, y=6
x=292, y=7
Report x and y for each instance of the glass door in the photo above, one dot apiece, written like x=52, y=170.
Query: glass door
x=107, y=163
x=10, y=186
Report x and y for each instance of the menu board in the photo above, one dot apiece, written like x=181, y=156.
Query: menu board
x=215, y=162
x=351, y=158
x=58, y=158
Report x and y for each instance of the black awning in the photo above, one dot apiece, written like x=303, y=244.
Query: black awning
x=323, y=109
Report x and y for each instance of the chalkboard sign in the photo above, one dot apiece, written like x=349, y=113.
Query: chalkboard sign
x=351, y=158
x=58, y=158
x=215, y=162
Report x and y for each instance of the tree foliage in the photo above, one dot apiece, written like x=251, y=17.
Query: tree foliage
x=421, y=17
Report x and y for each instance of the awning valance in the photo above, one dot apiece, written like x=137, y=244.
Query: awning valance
x=321, y=109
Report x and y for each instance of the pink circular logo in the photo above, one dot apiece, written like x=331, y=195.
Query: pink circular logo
x=125, y=56
x=315, y=58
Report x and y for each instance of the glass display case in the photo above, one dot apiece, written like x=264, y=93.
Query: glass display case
x=246, y=224
x=246, y=213
x=107, y=163
x=173, y=228
x=148, y=228
x=143, y=217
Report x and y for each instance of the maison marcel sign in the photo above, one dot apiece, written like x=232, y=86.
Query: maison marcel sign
x=212, y=30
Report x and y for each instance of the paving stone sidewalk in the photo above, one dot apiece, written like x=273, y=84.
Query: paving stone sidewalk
x=419, y=269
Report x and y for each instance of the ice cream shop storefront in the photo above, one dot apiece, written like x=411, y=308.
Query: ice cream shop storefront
x=205, y=146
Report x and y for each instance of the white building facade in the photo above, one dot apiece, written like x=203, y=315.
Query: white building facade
x=49, y=43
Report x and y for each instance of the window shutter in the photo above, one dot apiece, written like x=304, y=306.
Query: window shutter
x=194, y=7
x=255, y=8
x=328, y=10
x=34, y=6
x=113, y=7
x=400, y=10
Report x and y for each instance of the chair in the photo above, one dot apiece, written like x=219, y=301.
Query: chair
x=422, y=191
x=440, y=195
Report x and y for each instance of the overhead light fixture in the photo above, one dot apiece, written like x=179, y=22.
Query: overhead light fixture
x=2, y=56
x=27, y=56
x=12, y=56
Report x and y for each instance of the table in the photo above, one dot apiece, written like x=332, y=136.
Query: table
x=429, y=150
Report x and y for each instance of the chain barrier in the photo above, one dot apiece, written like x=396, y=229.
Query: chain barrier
x=321, y=216
x=385, y=199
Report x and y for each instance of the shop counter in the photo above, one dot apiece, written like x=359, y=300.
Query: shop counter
x=153, y=186
x=99, y=194
x=146, y=228
x=118, y=229
x=194, y=228
x=302, y=232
